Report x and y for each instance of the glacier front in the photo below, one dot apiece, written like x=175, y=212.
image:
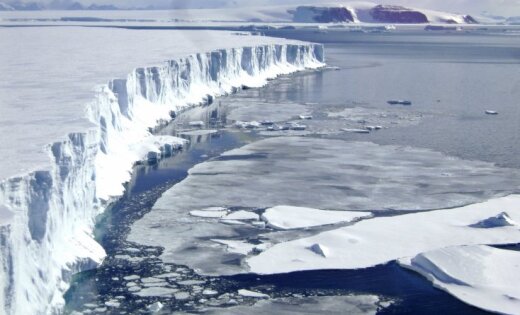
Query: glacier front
x=69, y=141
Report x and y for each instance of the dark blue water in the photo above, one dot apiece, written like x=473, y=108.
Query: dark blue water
x=451, y=79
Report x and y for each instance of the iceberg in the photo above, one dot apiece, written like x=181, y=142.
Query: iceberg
x=479, y=275
x=73, y=141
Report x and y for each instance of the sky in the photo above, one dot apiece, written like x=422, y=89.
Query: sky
x=500, y=7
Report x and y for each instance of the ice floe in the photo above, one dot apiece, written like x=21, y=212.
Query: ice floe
x=242, y=215
x=156, y=291
x=252, y=294
x=482, y=276
x=289, y=217
x=208, y=214
x=380, y=240
x=336, y=305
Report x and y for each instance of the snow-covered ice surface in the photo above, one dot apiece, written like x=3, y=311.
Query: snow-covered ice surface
x=288, y=217
x=330, y=174
x=350, y=304
x=483, y=276
x=77, y=113
x=380, y=240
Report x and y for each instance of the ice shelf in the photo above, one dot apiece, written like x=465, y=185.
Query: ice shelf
x=76, y=104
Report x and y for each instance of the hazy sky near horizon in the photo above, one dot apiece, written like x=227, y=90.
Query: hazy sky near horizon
x=502, y=7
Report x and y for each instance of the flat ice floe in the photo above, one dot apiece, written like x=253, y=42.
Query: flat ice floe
x=380, y=240
x=287, y=217
x=351, y=304
x=483, y=276
x=307, y=172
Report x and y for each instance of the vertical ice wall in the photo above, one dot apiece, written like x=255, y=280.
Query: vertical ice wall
x=47, y=216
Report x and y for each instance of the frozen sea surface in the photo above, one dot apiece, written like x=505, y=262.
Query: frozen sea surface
x=478, y=275
x=43, y=95
x=354, y=304
x=305, y=172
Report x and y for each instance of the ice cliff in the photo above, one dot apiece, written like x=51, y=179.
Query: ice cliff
x=47, y=216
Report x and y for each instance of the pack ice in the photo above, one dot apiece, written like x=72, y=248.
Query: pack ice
x=76, y=105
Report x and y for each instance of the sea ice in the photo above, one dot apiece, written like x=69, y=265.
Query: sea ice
x=252, y=294
x=239, y=247
x=288, y=217
x=156, y=291
x=380, y=240
x=482, y=276
x=347, y=176
x=333, y=305
x=208, y=214
x=242, y=215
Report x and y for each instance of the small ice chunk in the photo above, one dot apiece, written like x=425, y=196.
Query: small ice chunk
x=151, y=280
x=247, y=124
x=399, y=102
x=242, y=215
x=197, y=123
x=232, y=222
x=208, y=214
x=168, y=275
x=155, y=307
x=112, y=303
x=351, y=130
x=305, y=117
x=491, y=112
x=252, y=294
x=298, y=127
x=320, y=249
x=182, y=295
x=500, y=220
x=132, y=277
x=191, y=282
x=209, y=292
x=198, y=132
x=155, y=291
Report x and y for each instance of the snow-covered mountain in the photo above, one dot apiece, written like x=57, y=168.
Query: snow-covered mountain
x=371, y=13
x=339, y=12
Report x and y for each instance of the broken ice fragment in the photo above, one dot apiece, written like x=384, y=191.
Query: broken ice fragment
x=155, y=307
x=198, y=123
x=242, y=215
x=320, y=249
x=355, y=130
x=499, y=220
x=252, y=294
